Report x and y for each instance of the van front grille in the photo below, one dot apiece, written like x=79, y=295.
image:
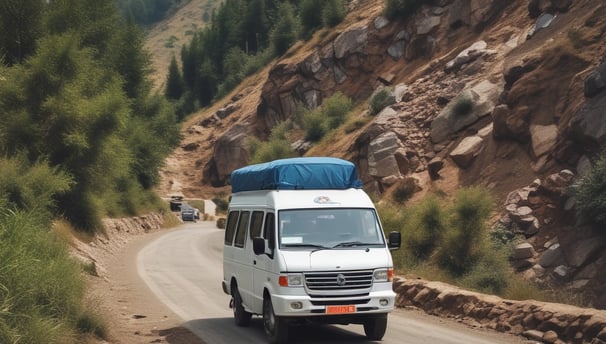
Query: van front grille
x=339, y=281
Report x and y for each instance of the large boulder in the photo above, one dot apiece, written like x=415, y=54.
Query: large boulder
x=351, y=41
x=475, y=13
x=596, y=81
x=589, y=124
x=511, y=124
x=451, y=119
x=467, y=55
x=543, y=139
x=464, y=154
x=381, y=159
x=230, y=152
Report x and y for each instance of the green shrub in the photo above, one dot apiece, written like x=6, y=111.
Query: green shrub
x=404, y=190
x=426, y=226
x=31, y=187
x=591, y=195
x=380, y=101
x=335, y=108
x=315, y=126
x=521, y=289
x=466, y=238
x=393, y=217
x=272, y=150
x=462, y=106
x=90, y=322
x=490, y=274
x=276, y=147
x=41, y=286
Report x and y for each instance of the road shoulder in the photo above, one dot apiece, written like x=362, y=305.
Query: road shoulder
x=133, y=313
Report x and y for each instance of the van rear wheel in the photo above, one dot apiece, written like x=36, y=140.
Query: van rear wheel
x=276, y=328
x=375, y=327
x=241, y=316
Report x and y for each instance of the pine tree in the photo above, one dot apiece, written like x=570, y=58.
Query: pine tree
x=311, y=15
x=286, y=31
x=333, y=13
x=174, y=81
x=20, y=27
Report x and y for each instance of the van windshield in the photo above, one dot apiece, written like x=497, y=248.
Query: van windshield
x=329, y=228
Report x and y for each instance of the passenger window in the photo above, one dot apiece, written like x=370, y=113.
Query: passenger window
x=230, y=227
x=242, y=227
x=256, y=224
x=269, y=232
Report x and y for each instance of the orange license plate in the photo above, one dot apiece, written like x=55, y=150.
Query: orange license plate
x=340, y=309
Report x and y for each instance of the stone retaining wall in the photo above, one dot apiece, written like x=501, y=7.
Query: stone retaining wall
x=542, y=321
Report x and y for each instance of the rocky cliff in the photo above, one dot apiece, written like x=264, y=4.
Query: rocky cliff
x=532, y=74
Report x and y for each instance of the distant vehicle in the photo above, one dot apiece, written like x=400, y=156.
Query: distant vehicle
x=189, y=213
x=175, y=203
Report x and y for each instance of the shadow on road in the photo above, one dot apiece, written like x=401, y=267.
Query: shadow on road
x=223, y=330
x=180, y=335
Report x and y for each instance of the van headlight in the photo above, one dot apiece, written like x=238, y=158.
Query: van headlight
x=383, y=275
x=291, y=280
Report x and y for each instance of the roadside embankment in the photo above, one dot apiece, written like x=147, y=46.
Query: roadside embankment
x=541, y=321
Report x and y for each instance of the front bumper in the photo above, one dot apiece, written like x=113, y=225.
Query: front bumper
x=304, y=306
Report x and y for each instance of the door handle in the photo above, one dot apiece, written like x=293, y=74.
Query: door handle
x=254, y=262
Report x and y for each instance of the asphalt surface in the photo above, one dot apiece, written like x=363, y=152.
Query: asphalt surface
x=183, y=268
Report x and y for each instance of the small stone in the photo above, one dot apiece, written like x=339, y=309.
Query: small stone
x=550, y=337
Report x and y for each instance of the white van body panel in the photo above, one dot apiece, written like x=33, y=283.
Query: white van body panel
x=337, y=259
x=258, y=274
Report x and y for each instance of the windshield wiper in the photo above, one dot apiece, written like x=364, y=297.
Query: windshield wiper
x=355, y=243
x=305, y=245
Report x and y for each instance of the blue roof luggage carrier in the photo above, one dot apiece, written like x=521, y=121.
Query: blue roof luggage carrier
x=307, y=173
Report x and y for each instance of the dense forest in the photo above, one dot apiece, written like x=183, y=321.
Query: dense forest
x=145, y=12
x=75, y=96
x=81, y=138
x=243, y=37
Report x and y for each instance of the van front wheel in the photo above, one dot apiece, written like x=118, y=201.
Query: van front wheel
x=241, y=316
x=375, y=327
x=276, y=328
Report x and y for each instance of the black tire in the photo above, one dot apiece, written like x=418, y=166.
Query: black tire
x=375, y=328
x=276, y=328
x=241, y=316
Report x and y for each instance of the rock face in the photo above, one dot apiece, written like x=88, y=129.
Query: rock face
x=230, y=153
x=481, y=99
x=526, y=105
x=116, y=233
x=467, y=150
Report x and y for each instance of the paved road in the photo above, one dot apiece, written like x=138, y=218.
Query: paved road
x=183, y=269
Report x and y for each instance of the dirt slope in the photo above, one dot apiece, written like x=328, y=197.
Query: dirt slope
x=165, y=39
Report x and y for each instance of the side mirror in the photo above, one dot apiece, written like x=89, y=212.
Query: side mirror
x=259, y=245
x=395, y=240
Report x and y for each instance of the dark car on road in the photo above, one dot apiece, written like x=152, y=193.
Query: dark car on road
x=189, y=213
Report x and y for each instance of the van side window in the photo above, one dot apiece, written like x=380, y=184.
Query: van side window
x=256, y=224
x=230, y=227
x=242, y=227
x=269, y=233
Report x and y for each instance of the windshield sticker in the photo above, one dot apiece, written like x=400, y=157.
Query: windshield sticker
x=292, y=240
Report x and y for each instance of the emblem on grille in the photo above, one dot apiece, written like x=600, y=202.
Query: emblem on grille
x=341, y=280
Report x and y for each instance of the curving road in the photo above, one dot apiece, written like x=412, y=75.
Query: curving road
x=183, y=269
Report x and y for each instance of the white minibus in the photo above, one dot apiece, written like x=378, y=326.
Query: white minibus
x=304, y=244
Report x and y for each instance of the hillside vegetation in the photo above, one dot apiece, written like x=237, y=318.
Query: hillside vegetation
x=82, y=138
x=437, y=97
